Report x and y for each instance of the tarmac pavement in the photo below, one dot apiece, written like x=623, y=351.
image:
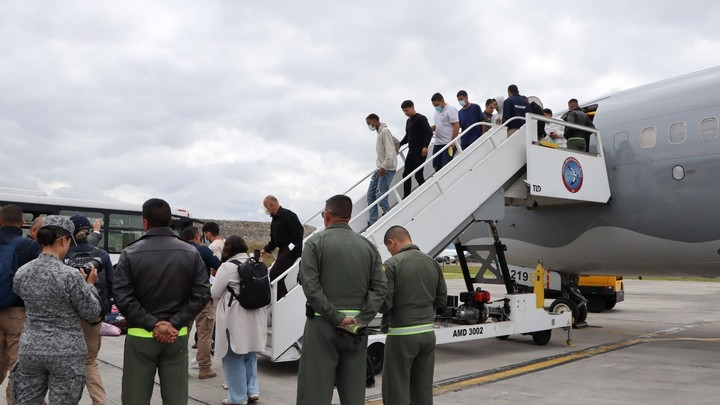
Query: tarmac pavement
x=662, y=345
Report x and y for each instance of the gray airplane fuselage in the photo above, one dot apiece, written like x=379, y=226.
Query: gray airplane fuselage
x=664, y=214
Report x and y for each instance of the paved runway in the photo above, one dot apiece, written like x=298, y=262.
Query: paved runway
x=662, y=345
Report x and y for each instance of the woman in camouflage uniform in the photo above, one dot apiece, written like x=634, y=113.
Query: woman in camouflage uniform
x=52, y=346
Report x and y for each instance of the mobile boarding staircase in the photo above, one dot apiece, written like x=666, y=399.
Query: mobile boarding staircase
x=472, y=188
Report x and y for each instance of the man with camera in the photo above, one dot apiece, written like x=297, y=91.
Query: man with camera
x=82, y=255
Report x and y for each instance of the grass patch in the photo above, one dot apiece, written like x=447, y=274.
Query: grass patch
x=454, y=272
x=699, y=279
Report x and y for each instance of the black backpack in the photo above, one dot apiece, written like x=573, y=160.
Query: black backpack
x=254, y=284
x=8, y=267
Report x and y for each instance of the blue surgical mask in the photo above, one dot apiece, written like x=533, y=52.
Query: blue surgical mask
x=370, y=127
x=438, y=108
x=462, y=103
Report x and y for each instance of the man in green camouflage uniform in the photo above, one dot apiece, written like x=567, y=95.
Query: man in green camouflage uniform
x=416, y=289
x=345, y=286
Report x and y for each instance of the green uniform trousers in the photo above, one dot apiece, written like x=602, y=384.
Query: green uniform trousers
x=408, y=369
x=577, y=144
x=329, y=358
x=143, y=356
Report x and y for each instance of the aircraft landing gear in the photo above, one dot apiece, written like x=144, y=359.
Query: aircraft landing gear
x=571, y=301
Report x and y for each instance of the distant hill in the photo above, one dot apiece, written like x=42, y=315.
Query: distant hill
x=256, y=234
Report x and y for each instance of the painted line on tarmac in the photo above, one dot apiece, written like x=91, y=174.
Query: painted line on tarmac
x=533, y=366
x=517, y=370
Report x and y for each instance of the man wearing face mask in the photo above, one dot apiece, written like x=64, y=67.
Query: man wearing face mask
x=386, y=147
x=286, y=235
x=446, y=128
x=469, y=114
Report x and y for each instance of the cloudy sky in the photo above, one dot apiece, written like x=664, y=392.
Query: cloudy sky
x=212, y=105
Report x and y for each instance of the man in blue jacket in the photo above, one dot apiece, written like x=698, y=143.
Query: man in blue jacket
x=514, y=106
x=12, y=312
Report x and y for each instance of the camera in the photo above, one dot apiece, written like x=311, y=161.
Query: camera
x=86, y=264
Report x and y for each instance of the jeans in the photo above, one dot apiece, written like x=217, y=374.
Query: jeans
x=379, y=185
x=241, y=376
x=444, y=158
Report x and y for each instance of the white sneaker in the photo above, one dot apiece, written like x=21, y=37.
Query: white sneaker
x=225, y=386
x=194, y=365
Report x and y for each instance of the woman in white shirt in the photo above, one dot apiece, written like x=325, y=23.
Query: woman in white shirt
x=240, y=333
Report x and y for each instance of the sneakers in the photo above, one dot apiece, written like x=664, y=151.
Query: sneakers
x=254, y=398
x=194, y=365
x=205, y=374
x=227, y=402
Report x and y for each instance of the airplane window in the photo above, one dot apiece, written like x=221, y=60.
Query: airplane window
x=621, y=140
x=709, y=128
x=677, y=133
x=648, y=137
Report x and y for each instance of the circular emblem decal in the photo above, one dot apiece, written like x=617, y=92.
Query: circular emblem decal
x=572, y=174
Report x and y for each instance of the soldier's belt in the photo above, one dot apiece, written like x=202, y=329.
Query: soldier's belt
x=348, y=312
x=410, y=330
x=140, y=332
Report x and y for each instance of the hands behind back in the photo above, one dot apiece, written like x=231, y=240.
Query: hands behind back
x=165, y=332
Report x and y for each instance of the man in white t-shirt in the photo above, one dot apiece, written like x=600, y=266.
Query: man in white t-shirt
x=446, y=128
x=211, y=231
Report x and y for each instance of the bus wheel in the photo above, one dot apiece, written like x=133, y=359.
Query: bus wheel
x=503, y=337
x=376, y=357
x=596, y=304
x=542, y=337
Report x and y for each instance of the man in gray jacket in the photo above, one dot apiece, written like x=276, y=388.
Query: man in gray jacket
x=161, y=284
x=386, y=147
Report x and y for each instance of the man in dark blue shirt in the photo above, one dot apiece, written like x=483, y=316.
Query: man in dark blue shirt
x=205, y=320
x=514, y=106
x=469, y=114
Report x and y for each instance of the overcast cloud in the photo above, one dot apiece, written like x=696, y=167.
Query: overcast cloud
x=212, y=105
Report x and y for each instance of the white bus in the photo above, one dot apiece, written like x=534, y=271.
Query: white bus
x=121, y=222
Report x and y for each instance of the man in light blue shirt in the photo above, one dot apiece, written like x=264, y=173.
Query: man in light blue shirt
x=446, y=128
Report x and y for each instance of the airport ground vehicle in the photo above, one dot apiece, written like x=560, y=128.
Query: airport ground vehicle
x=121, y=222
x=602, y=292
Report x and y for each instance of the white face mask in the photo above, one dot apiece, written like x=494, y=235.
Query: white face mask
x=370, y=127
x=267, y=211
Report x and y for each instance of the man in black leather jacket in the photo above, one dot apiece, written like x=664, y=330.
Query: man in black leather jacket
x=161, y=284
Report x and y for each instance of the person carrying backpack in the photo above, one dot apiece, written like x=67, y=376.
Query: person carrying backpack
x=82, y=251
x=15, y=251
x=240, y=332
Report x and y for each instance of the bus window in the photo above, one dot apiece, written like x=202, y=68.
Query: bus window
x=123, y=229
x=91, y=216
